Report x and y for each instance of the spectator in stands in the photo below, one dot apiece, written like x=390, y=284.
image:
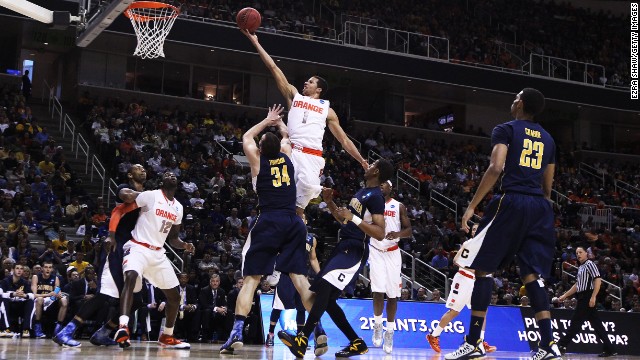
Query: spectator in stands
x=23, y=247
x=440, y=260
x=233, y=223
x=49, y=254
x=46, y=166
x=435, y=296
x=79, y=263
x=213, y=304
x=207, y=263
x=188, y=321
x=422, y=294
x=405, y=294
x=15, y=227
x=69, y=255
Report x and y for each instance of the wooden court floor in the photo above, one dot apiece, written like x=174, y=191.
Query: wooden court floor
x=46, y=349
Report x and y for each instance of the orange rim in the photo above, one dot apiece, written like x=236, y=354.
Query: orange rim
x=149, y=5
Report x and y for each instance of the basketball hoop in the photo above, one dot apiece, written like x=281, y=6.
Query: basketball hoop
x=152, y=22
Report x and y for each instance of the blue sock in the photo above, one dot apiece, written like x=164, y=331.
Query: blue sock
x=475, y=329
x=545, y=331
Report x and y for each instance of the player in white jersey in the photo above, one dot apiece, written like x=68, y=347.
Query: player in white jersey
x=307, y=119
x=159, y=220
x=385, y=263
x=459, y=297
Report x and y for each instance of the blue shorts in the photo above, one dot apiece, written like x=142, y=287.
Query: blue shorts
x=275, y=238
x=343, y=264
x=286, y=296
x=513, y=225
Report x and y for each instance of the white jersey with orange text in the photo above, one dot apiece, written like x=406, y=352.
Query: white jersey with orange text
x=391, y=223
x=157, y=215
x=307, y=120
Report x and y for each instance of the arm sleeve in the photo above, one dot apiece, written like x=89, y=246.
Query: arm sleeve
x=502, y=134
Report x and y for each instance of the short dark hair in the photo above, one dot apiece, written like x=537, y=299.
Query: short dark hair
x=533, y=101
x=270, y=145
x=385, y=168
x=323, y=84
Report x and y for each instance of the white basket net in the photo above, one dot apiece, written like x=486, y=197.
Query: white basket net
x=152, y=25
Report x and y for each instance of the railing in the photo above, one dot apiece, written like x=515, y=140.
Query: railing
x=586, y=168
x=372, y=156
x=175, y=257
x=82, y=145
x=386, y=39
x=56, y=110
x=598, y=216
x=45, y=85
x=113, y=187
x=609, y=284
x=96, y=167
x=408, y=179
x=558, y=196
x=563, y=69
x=623, y=186
x=69, y=125
x=445, y=202
x=422, y=274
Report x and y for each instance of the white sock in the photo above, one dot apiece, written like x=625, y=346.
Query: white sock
x=167, y=331
x=124, y=320
x=482, y=334
x=377, y=319
x=437, y=331
x=391, y=325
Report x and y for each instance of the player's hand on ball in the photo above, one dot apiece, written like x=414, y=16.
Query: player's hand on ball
x=247, y=33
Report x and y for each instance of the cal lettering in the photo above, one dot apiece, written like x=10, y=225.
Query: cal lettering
x=532, y=133
x=390, y=213
x=166, y=215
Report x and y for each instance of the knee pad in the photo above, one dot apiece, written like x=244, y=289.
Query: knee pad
x=538, y=295
x=481, y=295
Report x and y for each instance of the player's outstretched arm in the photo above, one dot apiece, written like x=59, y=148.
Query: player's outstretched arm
x=128, y=195
x=287, y=90
x=249, y=146
x=334, y=126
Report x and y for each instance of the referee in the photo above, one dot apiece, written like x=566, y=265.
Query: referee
x=587, y=287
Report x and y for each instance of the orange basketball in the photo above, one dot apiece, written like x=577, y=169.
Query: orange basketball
x=248, y=19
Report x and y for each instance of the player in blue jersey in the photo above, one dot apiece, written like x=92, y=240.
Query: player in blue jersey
x=277, y=237
x=361, y=219
x=286, y=297
x=110, y=279
x=518, y=221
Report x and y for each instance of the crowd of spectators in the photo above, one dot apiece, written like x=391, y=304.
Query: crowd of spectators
x=220, y=204
x=477, y=30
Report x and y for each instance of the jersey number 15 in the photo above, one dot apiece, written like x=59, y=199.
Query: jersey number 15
x=526, y=158
x=280, y=177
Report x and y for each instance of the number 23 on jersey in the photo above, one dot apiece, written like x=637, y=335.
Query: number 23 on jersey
x=280, y=176
x=527, y=159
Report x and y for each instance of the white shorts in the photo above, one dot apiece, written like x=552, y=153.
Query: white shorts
x=151, y=264
x=107, y=285
x=461, y=289
x=385, y=269
x=308, y=169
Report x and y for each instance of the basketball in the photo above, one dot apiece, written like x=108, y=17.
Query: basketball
x=248, y=19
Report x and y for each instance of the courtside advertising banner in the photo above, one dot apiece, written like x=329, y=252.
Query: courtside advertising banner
x=510, y=328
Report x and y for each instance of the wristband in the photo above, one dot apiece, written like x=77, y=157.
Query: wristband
x=356, y=220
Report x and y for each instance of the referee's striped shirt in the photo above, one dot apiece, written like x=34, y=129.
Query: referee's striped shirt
x=587, y=272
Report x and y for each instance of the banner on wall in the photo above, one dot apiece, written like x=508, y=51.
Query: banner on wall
x=510, y=328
